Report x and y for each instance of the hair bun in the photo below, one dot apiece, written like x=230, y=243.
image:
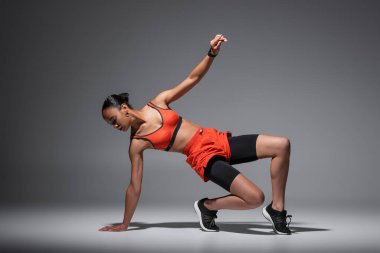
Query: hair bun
x=124, y=96
x=116, y=100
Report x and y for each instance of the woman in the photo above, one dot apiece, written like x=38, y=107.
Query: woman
x=209, y=152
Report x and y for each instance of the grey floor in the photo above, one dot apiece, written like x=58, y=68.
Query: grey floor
x=167, y=229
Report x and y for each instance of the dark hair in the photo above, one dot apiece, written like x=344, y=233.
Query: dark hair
x=116, y=101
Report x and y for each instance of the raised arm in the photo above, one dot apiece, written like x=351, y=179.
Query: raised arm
x=195, y=75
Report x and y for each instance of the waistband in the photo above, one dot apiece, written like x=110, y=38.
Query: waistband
x=192, y=140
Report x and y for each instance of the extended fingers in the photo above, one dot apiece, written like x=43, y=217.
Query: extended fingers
x=106, y=228
x=113, y=228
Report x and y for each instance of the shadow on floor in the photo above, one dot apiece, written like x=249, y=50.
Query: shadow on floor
x=254, y=228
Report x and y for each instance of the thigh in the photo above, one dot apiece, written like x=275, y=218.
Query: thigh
x=243, y=148
x=271, y=145
x=220, y=172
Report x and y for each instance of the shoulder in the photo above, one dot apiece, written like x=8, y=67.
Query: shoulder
x=136, y=148
x=160, y=100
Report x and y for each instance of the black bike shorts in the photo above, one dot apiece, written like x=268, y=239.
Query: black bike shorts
x=243, y=150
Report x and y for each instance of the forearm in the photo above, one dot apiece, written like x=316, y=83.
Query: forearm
x=201, y=69
x=131, y=200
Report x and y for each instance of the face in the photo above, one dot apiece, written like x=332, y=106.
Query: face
x=119, y=119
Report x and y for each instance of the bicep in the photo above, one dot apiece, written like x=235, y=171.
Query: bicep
x=136, y=158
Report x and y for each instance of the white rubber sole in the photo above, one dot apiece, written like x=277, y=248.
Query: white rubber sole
x=267, y=216
x=198, y=212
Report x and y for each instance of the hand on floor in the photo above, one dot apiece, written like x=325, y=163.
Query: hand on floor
x=115, y=228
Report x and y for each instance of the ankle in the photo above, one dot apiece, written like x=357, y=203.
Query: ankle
x=277, y=207
x=208, y=204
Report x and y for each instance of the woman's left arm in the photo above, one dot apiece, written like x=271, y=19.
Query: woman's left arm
x=196, y=74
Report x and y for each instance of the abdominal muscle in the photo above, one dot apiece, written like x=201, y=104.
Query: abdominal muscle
x=184, y=134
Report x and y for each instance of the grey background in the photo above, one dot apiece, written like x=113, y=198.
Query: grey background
x=308, y=70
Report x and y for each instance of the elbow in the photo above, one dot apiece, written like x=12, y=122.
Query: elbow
x=195, y=78
x=136, y=189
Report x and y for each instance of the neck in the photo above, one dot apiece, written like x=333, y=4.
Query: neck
x=137, y=119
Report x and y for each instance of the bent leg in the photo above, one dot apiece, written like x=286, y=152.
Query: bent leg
x=278, y=148
x=245, y=194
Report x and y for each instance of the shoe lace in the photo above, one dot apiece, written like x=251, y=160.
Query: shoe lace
x=281, y=219
x=290, y=219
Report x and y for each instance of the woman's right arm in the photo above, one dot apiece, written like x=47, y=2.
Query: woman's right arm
x=133, y=192
x=132, y=197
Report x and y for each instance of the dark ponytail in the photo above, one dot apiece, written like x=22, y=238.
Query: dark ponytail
x=116, y=101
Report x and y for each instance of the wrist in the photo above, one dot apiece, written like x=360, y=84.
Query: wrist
x=211, y=53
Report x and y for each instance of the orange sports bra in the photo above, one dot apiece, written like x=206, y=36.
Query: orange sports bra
x=163, y=138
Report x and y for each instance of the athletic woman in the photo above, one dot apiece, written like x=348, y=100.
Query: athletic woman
x=211, y=153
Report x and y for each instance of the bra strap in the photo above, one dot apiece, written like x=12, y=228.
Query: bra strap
x=158, y=107
x=153, y=105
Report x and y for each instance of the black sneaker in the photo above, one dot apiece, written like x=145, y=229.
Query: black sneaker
x=206, y=216
x=278, y=220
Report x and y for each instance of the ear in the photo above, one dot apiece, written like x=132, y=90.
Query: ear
x=124, y=108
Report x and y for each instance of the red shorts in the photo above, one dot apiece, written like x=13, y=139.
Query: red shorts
x=206, y=143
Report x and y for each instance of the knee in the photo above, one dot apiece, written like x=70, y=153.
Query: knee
x=284, y=144
x=256, y=199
